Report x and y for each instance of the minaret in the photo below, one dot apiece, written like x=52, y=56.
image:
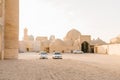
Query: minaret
x=25, y=34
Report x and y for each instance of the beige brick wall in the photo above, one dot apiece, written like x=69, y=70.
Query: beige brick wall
x=111, y=49
x=103, y=49
x=114, y=49
x=11, y=29
x=11, y=54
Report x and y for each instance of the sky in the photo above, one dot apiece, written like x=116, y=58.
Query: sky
x=98, y=18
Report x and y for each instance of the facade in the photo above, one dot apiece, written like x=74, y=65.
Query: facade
x=110, y=49
x=28, y=44
x=72, y=41
x=113, y=48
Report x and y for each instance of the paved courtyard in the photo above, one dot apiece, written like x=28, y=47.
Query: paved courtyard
x=71, y=67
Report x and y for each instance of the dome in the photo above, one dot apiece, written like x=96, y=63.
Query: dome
x=31, y=37
x=58, y=42
x=73, y=35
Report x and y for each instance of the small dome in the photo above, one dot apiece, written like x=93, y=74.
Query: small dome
x=58, y=42
x=31, y=37
x=73, y=35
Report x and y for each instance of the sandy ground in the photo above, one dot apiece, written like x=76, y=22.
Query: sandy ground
x=71, y=67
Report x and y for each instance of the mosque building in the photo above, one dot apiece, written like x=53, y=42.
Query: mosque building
x=73, y=40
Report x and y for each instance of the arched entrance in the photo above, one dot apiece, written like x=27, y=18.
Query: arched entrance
x=91, y=48
x=85, y=47
x=47, y=49
x=27, y=49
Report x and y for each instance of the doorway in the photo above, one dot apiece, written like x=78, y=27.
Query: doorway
x=27, y=49
x=85, y=47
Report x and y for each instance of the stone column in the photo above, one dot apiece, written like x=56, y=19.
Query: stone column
x=1, y=29
x=11, y=29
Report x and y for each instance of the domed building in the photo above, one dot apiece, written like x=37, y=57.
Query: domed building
x=73, y=40
x=28, y=44
x=57, y=45
x=78, y=41
x=72, y=35
x=115, y=40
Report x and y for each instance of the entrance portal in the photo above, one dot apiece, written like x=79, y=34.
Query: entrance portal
x=85, y=47
x=27, y=49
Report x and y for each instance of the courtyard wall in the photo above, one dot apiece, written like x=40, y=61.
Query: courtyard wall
x=110, y=49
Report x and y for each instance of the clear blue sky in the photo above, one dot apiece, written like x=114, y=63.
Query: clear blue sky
x=98, y=18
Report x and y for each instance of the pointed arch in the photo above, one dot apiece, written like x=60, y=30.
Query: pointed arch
x=85, y=46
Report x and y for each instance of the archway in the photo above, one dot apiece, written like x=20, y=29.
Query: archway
x=27, y=49
x=85, y=47
x=47, y=49
x=91, y=48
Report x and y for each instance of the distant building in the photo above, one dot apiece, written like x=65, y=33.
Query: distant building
x=73, y=40
x=96, y=42
x=115, y=40
x=113, y=48
x=28, y=44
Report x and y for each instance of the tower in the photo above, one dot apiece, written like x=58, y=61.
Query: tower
x=25, y=34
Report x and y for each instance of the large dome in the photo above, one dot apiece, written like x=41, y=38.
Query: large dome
x=73, y=35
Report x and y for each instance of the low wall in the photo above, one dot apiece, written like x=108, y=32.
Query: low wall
x=103, y=49
x=111, y=49
x=114, y=49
